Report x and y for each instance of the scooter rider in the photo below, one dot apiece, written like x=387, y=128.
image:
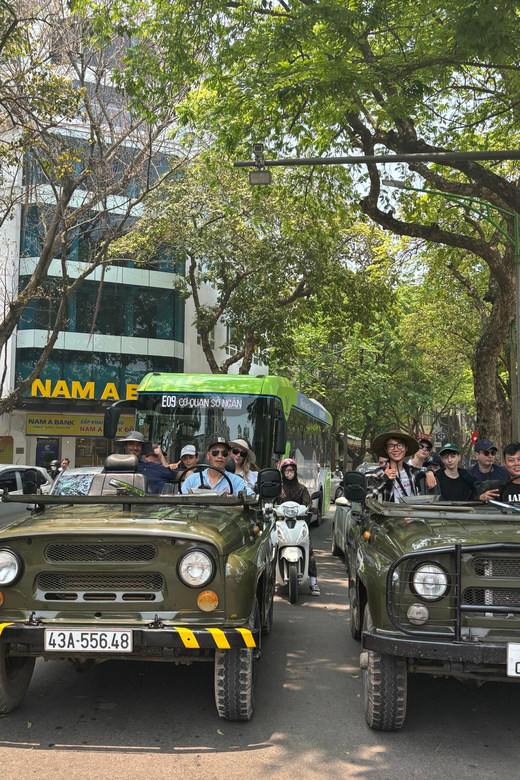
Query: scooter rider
x=292, y=490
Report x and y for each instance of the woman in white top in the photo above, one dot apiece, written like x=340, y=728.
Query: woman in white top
x=245, y=461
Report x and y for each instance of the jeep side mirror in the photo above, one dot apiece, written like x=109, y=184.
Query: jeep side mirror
x=30, y=482
x=269, y=483
x=112, y=415
x=354, y=486
x=280, y=436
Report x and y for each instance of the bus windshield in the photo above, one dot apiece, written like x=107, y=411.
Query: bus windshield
x=177, y=419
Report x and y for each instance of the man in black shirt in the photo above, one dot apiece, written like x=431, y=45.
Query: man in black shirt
x=455, y=484
x=506, y=490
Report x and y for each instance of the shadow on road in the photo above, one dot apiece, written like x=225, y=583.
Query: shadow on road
x=309, y=711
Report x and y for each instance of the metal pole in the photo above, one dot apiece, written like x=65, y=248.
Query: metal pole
x=411, y=157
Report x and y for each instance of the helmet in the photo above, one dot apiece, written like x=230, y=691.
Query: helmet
x=55, y=463
x=288, y=462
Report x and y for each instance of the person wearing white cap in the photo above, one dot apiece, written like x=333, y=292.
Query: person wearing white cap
x=245, y=461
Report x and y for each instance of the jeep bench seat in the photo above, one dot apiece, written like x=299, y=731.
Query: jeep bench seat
x=121, y=467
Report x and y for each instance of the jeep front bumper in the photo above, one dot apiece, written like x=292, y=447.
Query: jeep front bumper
x=434, y=650
x=181, y=637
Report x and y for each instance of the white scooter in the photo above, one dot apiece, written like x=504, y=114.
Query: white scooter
x=292, y=562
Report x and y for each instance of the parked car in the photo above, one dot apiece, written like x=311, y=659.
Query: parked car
x=336, y=489
x=434, y=587
x=339, y=526
x=103, y=570
x=11, y=477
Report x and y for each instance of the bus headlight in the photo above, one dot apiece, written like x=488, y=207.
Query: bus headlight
x=196, y=568
x=430, y=582
x=10, y=567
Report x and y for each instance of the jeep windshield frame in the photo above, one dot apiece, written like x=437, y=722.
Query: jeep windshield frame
x=176, y=419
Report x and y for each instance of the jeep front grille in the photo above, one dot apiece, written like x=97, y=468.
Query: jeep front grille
x=493, y=597
x=99, y=582
x=132, y=553
x=497, y=567
x=466, y=565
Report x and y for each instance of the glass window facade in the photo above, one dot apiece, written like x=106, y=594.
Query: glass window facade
x=119, y=309
x=98, y=367
x=83, y=240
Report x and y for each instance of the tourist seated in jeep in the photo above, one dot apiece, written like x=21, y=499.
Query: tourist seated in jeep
x=505, y=490
x=215, y=477
x=135, y=444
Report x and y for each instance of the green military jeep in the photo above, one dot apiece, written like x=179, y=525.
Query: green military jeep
x=100, y=570
x=434, y=588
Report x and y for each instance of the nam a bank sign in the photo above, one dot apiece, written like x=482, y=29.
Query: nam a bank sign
x=46, y=388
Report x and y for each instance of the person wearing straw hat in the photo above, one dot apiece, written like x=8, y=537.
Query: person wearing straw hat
x=245, y=461
x=135, y=444
x=398, y=480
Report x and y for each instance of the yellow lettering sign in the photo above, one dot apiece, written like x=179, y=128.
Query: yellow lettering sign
x=110, y=392
x=60, y=388
x=83, y=391
x=131, y=392
x=38, y=386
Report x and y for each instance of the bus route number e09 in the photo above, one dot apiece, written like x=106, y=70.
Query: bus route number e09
x=169, y=401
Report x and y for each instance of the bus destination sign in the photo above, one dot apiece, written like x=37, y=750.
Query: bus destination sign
x=171, y=401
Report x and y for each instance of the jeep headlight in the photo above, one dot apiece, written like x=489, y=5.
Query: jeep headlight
x=10, y=567
x=430, y=582
x=196, y=569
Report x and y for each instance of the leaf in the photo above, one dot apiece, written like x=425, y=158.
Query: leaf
x=354, y=676
x=220, y=732
x=29, y=724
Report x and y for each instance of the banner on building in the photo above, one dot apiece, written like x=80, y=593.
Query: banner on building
x=73, y=425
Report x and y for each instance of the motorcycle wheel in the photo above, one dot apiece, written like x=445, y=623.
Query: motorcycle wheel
x=293, y=583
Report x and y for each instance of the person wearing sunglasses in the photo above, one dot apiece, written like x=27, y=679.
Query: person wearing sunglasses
x=245, y=461
x=422, y=454
x=216, y=455
x=399, y=479
x=505, y=490
x=485, y=468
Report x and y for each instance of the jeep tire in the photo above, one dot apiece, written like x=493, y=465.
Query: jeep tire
x=235, y=673
x=354, y=609
x=15, y=678
x=384, y=687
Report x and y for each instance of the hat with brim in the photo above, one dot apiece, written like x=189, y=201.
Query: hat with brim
x=218, y=440
x=378, y=445
x=448, y=447
x=136, y=436
x=243, y=445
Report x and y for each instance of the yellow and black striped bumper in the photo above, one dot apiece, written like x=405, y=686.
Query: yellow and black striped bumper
x=176, y=636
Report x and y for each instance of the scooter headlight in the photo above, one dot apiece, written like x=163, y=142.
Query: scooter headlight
x=303, y=534
x=280, y=534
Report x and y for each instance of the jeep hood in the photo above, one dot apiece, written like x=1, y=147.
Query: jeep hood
x=429, y=530
x=226, y=528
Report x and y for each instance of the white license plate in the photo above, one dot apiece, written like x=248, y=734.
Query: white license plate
x=79, y=640
x=513, y=659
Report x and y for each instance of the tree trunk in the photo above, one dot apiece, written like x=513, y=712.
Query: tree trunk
x=493, y=419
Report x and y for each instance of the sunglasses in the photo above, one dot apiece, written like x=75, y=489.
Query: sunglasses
x=425, y=447
x=225, y=453
x=239, y=452
x=488, y=452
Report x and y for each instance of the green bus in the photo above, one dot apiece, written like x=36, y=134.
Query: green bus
x=277, y=420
